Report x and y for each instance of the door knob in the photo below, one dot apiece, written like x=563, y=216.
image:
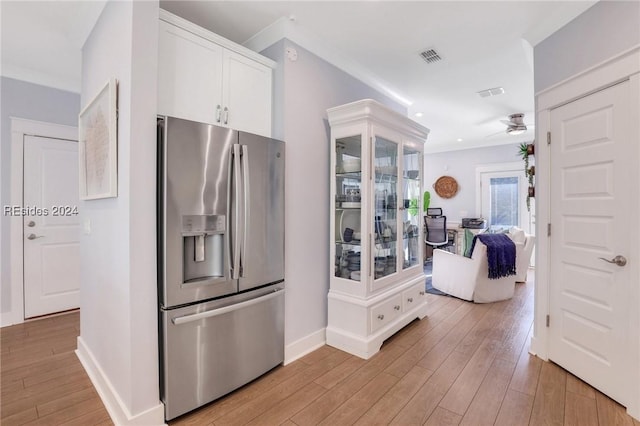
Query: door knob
x=618, y=260
x=31, y=224
x=34, y=236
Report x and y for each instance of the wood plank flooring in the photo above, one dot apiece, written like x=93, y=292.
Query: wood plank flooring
x=42, y=382
x=465, y=364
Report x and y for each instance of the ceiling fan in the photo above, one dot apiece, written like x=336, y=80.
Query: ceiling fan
x=515, y=125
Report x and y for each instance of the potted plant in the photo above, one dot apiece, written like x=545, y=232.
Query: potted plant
x=426, y=200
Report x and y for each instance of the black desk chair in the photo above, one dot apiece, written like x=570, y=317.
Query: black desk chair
x=434, y=211
x=436, y=231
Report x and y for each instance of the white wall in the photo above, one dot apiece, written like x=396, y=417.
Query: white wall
x=118, y=317
x=305, y=88
x=30, y=101
x=461, y=165
x=601, y=32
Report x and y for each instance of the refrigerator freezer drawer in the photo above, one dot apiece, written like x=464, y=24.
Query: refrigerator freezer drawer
x=213, y=348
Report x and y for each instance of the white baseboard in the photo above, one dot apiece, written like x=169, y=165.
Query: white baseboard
x=117, y=410
x=536, y=349
x=9, y=318
x=303, y=346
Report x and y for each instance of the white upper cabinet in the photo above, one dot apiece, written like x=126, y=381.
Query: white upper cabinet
x=246, y=94
x=189, y=75
x=204, y=77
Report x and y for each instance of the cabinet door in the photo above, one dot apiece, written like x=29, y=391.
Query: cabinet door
x=349, y=232
x=386, y=229
x=247, y=94
x=410, y=208
x=189, y=76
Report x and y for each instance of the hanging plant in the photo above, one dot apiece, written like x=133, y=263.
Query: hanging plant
x=524, y=151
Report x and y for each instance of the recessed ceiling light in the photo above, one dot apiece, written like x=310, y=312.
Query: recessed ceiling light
x=419, y=114
x=459, y=139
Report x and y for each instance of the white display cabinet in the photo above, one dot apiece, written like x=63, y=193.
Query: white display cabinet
x=377, y=281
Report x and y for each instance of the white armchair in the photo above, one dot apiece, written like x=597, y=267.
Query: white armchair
x=523, y=258
x=467, y=278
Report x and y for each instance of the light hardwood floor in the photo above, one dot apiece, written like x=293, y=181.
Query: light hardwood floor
x=465, y=364
x=42, y=381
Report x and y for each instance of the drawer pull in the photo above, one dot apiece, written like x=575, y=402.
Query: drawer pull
x=380, y=317
x=410, y=300
x=397, y=307
x=422, y=293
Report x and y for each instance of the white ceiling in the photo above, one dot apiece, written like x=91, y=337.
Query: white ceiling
x=41, y=40
x=483, y=45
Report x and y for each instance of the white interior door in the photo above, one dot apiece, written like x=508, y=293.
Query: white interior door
x=51, y=226
x=591, y=158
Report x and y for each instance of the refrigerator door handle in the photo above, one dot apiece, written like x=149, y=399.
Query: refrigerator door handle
x=221, y=311
x=247, y=204
x=235, y=273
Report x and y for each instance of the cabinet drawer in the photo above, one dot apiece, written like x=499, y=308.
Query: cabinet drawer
x=385, y=312
x=412, y=297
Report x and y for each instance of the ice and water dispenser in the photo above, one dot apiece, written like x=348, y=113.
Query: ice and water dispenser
x=203, y=247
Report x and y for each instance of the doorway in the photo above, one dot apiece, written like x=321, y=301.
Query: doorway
x=45, y=227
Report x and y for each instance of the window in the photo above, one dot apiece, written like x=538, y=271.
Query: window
x=501, y=196
x=504, y=202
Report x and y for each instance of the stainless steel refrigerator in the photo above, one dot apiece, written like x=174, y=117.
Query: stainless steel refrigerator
x=220, y=260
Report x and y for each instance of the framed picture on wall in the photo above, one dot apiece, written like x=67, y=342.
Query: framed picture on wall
x=98, y=144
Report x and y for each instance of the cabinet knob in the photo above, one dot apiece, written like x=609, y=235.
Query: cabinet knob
x=218, y=113
x=380, y=317
x=226, y=115
x=422, y=293
x=410, y=300
x=397, y=307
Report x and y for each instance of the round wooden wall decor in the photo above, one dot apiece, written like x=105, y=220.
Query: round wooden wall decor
x=446, y=186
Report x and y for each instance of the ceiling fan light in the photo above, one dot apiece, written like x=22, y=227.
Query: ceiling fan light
x=516, y=130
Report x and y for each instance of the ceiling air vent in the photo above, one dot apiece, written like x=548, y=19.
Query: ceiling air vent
x=491, y=92
x=430, y=56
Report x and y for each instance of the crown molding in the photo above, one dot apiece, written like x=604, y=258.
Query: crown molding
x=434, y=148
x=41, y=78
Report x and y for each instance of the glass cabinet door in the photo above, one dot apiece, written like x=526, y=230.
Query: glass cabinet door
x=385, y=191
x=348, y=232
x=411, y=162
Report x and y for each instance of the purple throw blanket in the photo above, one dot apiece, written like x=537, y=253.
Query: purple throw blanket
x=501, y=254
